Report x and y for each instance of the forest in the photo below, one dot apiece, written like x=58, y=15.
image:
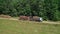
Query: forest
x=47, y=9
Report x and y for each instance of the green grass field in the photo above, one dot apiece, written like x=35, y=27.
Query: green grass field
x=27, y=27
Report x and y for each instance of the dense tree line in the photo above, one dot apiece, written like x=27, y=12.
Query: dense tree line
x=47, y=9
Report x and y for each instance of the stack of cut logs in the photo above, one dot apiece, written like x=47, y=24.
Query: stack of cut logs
x=30, y=18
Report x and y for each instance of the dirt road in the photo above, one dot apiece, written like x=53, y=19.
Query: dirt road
x=48, y=22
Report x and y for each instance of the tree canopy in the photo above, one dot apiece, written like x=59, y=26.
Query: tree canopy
x=48, y=9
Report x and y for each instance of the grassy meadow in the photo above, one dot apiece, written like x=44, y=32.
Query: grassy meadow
x=27, y=27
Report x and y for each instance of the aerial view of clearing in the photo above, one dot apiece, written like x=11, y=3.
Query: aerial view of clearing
x=29, y=16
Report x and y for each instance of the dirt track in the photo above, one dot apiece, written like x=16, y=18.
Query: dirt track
x=9, y=18
x=51, y=22
x=48, y=22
